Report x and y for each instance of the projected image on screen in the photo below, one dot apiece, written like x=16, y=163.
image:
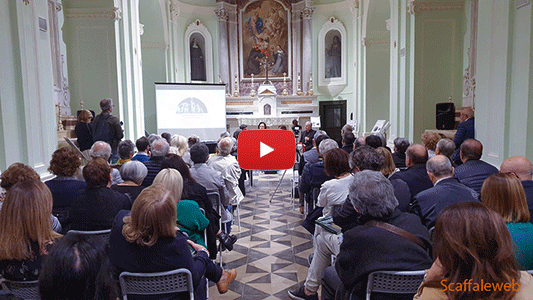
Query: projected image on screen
x=188, y=109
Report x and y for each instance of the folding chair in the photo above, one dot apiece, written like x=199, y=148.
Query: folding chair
x=103, y=234
x=205, y=241
x=168, y=282
x=21, y=289
x=215, y=199
x=394, y=282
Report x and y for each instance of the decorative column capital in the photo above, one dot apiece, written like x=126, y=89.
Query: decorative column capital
x=174, y=8
x=355, y=6
x=222, y=14
x=416, y=6
x=307, y=12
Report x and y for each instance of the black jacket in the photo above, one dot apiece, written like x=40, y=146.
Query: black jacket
x=473, y=173
x=416, y=178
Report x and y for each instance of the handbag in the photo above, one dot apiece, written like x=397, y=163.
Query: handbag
x=312, y=216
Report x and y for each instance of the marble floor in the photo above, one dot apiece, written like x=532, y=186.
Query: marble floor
x=271, y=253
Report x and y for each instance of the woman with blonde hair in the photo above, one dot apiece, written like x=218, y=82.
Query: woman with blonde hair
x=389, y=167
x=473, y=246
x=505, y=194
x=25, y=231
x=147, y=240
x=180, y=146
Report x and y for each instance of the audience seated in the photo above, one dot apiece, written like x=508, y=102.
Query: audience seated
x=401, y=189
x=505, y=195
x=159, y=148
x=77, y=267
x=311, y=156
x=143, y=147
x=400, y=146
x=97, y=205
x=465, y=131
x=25, y=231
x=389, y=168
x=430, y=140
x=133, y=173
x=194, y=139
x=65, y=164
x=103, y=150
x=347, y=142
x=446, y=147
x=447, y=190
x=332, y=195
x=523, y=169
x=473, y=245
x=313, y=174
x=147, y=240
x=473, y=171
x=228, y=166
x=180, y=147
x=166, y=136
x=192, y=190
x=374, y=247
x=206, y=176
x=416, y=175
x=126, y=150
x=18, y=172
x=359, y=142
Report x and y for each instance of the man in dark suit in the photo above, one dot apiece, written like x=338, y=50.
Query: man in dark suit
x=523, y=169
x=307, y=136
x=465, y=131
x=347, y=142
x=416, y=175
x=473, y=171
x=447, y=190
x=400, y=146
x=366, y=248
x=159, y=149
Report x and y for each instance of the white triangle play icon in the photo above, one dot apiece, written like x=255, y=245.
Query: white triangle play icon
x=264, y=149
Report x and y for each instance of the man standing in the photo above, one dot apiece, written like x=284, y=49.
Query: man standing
x=307, y=136
x=465, y=131
x=108, y=128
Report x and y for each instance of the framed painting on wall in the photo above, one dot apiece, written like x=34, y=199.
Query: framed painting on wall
x=264, y=28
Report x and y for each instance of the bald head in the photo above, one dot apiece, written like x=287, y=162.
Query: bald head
x=471, y=149
x=438, y=167
x=518, y=165
x=466, y=113
x=416, y=154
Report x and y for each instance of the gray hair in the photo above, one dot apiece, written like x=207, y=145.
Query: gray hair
x=125, y=149
x=446, y=146
x=366, y=158
x=224, y=146
x=106, y=104
x=133, y=170
x=159, y=147
x=153, y=137
x=440, y=166
x=319, y=133
x=225, y=134
x=372, y=194
x=101, y=149
x=193, y=139
x=199, y=153
x=346, y=128
x=401, y=144
x=326, y=145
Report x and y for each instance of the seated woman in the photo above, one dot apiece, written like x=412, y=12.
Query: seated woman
x=133, y=174
x=77, y=267
x=194, y=191
x=65, y=164
x=18, y=172
x=505, y=194
x=147, y=240
x=472, y=244
x=401, y=189
x=180, y=147
x=97, y=205
x=25, y=231
x=126, y=150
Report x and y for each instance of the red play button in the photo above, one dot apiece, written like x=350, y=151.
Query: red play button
x=266, y=149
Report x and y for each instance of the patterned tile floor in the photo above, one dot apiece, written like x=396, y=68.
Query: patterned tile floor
x=271, y=253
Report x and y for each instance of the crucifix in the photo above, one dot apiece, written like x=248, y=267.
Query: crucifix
x=266, y=64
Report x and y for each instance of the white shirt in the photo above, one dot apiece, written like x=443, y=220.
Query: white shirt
x=333, y=192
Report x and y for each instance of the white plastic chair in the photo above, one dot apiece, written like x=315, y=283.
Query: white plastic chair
x=168, y=282
x=394, y=282
x=21, y=289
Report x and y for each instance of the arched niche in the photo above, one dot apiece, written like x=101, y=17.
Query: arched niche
x=332, y=41
x=196, y=31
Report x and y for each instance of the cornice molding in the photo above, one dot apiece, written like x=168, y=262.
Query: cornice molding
x=370, y=42
x=161, y=46
x=416, y=7
x=113, y=13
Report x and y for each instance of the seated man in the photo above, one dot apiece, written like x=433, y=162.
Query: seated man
x=373, y=246
x=143, y=147
x=103, y=150
x=347, y=142
x=447, y=190
x=159, y=148
x=446, y=147
x=416, y=175
x=473, y=171
x=313, y=174
x=523, y=169
x=228, y=166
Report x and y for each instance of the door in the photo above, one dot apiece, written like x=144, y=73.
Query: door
x=332, y=117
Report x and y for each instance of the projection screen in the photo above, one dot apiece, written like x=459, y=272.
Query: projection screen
x=188, y=108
